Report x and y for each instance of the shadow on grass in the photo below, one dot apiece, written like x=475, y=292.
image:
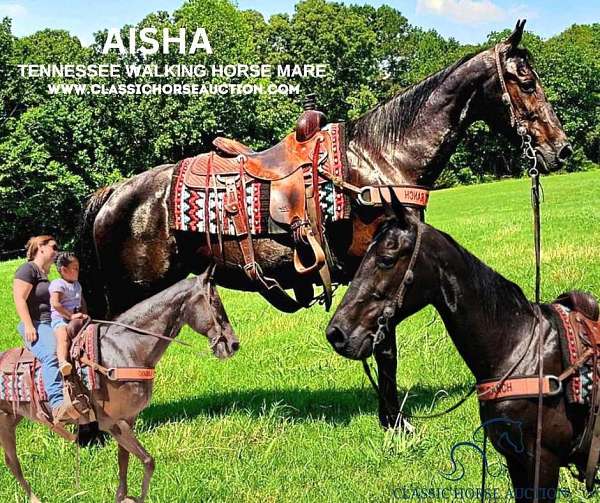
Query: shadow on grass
x=334, y=406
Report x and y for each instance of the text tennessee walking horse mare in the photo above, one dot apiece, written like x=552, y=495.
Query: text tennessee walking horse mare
x=496, y=330
x=143, y=234
x=124, y=351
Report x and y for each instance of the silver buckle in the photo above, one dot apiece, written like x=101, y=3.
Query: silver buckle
x=362, y=200
x=559, y=385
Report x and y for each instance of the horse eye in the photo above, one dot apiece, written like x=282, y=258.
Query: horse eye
x=528, y=86
x=386, y=261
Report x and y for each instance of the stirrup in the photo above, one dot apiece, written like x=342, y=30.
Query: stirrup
x=317, y=251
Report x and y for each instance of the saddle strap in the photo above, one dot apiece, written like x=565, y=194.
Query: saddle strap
x=242, y=219
x=406, y=194
x=518, y=387
x=120, y=373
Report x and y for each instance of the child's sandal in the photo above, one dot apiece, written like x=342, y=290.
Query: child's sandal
x=65, y=368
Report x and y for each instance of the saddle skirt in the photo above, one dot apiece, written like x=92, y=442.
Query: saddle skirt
x=21, y=377
x=577, y=334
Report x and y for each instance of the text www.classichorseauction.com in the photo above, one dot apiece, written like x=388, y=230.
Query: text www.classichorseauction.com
x=128, y=73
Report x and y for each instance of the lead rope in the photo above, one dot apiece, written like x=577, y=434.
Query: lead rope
x=536, y=191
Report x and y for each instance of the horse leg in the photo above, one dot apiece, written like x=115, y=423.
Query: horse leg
x=522, y=477
x=8, y=441
x=121, y=432
x=123, y=466
x=389, y=407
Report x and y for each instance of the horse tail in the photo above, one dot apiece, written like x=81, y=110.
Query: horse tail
x=91, y=274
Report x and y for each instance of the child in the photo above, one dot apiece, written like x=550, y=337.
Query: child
x=67, y=303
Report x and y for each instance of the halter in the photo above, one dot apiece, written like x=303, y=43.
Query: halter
x=515, y=120
x=395, y=302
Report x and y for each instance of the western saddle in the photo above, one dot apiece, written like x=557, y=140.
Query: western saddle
x=294, y=169
x=291, y=168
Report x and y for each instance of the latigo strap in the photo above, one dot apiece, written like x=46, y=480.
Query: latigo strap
x=518, y=387
x=121, y=373
x=411, y=195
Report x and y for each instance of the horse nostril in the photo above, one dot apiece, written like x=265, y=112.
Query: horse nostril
x=565, y=152
x=336, y=337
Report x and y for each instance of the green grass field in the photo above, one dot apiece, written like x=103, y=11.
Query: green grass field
x=289, y=420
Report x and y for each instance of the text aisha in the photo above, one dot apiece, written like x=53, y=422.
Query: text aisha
x=150, y=45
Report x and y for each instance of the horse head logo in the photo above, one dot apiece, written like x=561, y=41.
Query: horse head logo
x=508, y=435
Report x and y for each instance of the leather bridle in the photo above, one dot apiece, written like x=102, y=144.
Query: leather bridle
x=395, y=302
x=515, y=120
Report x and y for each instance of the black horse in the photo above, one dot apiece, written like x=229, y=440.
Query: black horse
x=131, y=252
x=494, y=327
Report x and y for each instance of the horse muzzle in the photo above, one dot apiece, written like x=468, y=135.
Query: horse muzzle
x=551, y=159
x=354, y=347
x=225, y=346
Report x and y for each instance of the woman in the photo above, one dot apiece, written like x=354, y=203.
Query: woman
x=32, y=300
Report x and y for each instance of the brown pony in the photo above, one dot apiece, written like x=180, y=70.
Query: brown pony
x=194, y=302
x=132, y=252
x=494, y=327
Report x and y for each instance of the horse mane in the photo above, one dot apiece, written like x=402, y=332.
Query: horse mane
x=492, y=289
x=389, y=120
x=157, y=302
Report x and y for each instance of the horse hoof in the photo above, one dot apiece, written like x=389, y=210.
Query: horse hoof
x=34, y=499
x=129, y=499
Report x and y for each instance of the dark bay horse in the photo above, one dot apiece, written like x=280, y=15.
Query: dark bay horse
x=494, y=327
x=131, y=252
x=194, y=302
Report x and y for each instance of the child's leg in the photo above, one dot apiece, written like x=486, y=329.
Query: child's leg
x=62, y=349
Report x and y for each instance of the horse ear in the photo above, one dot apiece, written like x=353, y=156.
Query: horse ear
x=399, y=209
x=388, y=208
x=206, y=276
x=513, y=41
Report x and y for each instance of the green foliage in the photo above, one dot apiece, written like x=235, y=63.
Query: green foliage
x=74, y=144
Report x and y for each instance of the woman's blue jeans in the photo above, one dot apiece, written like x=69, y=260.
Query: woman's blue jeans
x=44, y=349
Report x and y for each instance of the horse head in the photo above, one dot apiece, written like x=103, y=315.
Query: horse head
x=394, y=261
x=514, y=103
x=204, y=313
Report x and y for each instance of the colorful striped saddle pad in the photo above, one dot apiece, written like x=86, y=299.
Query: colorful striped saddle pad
x=574, y=341
x=18, y=370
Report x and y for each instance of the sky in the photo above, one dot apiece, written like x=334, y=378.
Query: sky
x=469, y=21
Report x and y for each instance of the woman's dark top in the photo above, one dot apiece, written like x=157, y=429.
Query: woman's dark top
x=38, y=301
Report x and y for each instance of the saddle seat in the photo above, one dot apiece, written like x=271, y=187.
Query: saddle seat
x=275, y=163
x=582, y=302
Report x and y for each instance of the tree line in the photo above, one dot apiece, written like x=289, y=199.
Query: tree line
x=56, y=150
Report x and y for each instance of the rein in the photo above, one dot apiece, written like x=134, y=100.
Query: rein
x=536, y=191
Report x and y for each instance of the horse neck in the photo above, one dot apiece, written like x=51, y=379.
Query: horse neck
x=410, y=138
x=160, y=314
x=488, y=317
